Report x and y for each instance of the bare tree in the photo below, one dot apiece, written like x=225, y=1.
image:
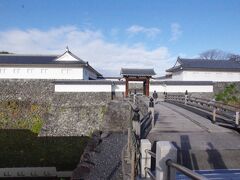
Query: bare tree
x=215, y=54
x=235, y=57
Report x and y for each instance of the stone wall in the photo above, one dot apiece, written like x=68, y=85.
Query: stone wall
x=69, y=114
x=81, y=99
x=41, y=91
x=73, y=121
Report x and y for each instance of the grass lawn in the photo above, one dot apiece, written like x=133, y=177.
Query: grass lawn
x=22, y=148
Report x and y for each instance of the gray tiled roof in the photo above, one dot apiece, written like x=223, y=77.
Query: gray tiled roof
x=34, y=59
x=41, y=60
x=201, y=64
x=137, y=72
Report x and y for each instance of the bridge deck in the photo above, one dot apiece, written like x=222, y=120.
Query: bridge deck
x=201, y=144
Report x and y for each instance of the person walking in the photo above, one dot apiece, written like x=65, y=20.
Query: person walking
x=155, y=96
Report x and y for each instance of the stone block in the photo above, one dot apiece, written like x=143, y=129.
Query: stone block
x=164, y=151
x=145, y=144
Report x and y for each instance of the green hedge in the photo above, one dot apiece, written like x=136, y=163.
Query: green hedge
x=230, y=95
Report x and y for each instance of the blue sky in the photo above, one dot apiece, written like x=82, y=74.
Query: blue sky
x=112, y=34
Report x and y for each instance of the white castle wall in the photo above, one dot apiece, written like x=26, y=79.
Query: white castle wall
x=41, y=73
x=189, y=88
x=216, y=76
x=121, y=88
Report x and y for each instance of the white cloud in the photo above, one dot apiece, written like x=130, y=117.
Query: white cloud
x=176, y=31
x=89, y=45
x=149, y=32
x=114, y=32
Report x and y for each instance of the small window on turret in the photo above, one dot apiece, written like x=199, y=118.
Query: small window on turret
x=43, y=71
x=16, y=71
x=2, y=70
x=29, y=71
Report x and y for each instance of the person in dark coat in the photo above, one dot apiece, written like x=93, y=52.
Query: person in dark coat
x=155, y=96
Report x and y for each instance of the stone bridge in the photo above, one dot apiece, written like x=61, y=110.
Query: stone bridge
x=202, y=145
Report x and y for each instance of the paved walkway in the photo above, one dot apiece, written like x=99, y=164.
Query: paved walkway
x=201, y=144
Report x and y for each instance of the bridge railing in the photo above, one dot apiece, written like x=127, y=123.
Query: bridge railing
x=165, y=159
x=217, y=108
x=140, y=126
x=184, y=170
x=141, y=102
x=143, y=118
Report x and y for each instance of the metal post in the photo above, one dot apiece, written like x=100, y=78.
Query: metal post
x=151, y=109
x=237, y=119
x=186, y=97
x=151, y=103
x=145, y=158
x=136, y=122
x=165, y=150
x=134, y=98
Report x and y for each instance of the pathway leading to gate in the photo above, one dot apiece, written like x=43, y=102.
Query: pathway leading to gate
x=201, y=144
